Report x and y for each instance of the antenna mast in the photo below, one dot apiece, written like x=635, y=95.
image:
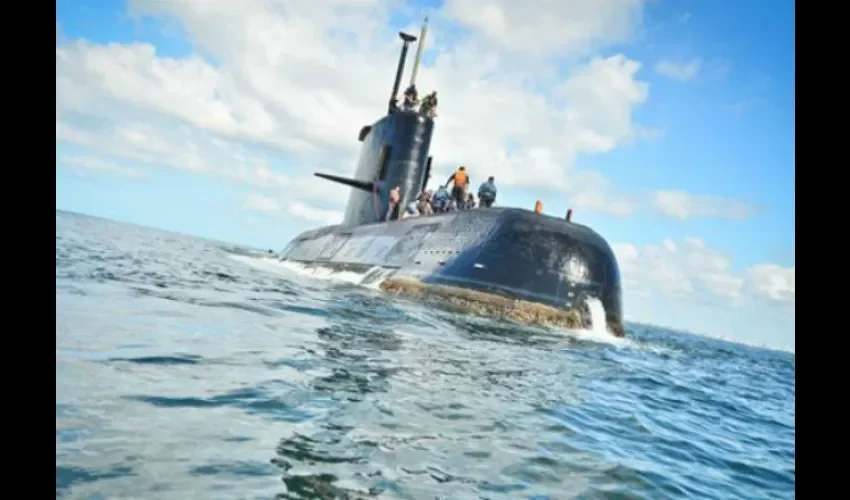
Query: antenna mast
x=406, y=39
x=419, y=52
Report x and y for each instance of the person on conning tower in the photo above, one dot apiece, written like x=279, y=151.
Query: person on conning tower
x=429, y=105
x=411, y=98
x=459, y=181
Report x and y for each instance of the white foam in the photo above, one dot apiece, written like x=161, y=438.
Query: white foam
x=598, y=331
x=602, y=338
x=288, y=268
x=373, y=278
x=597, y=315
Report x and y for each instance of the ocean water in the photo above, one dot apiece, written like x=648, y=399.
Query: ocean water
x=187, y=368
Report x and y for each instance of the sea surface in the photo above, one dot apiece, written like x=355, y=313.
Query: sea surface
x=194, y=369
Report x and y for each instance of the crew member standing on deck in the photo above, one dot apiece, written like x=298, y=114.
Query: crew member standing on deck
x=395, y=198
x=487, y=192
x=440, y=200
x=460, y=181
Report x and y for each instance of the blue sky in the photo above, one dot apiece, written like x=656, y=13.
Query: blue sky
x=204, y=130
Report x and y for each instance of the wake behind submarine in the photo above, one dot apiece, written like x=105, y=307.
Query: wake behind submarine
x=506, y=262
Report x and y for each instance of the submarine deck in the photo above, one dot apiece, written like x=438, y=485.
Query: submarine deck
x=509, y=252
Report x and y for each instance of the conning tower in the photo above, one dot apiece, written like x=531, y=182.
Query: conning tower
x=395, y=152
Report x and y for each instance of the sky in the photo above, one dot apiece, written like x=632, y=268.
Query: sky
x=666, y=125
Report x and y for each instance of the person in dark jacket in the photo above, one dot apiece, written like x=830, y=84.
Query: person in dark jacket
x=429, y=105
x=440, y=199
x=411, y=98
x=487, y=192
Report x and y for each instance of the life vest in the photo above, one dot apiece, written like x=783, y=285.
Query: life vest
x=538, y=206
x=460, y=178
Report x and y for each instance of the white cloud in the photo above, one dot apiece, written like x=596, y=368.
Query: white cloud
x=260, y=203
x=311, y=213
x=296, y=80
x=567, y=27
x=174, y=145
x=691, y=266
x=682, y=205
x=300, y=210
x=620, y=206
x=688, y=284
x=95, y=165
x=681, y=71
x=773, y=282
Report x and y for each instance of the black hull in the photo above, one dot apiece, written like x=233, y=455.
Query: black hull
x=508, y=252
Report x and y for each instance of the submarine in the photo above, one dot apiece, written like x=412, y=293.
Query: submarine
x=504, y=261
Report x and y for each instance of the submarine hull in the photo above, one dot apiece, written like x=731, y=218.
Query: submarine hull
x=508, y=253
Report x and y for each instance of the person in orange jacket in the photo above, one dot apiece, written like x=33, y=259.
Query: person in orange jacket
x=460, y=181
